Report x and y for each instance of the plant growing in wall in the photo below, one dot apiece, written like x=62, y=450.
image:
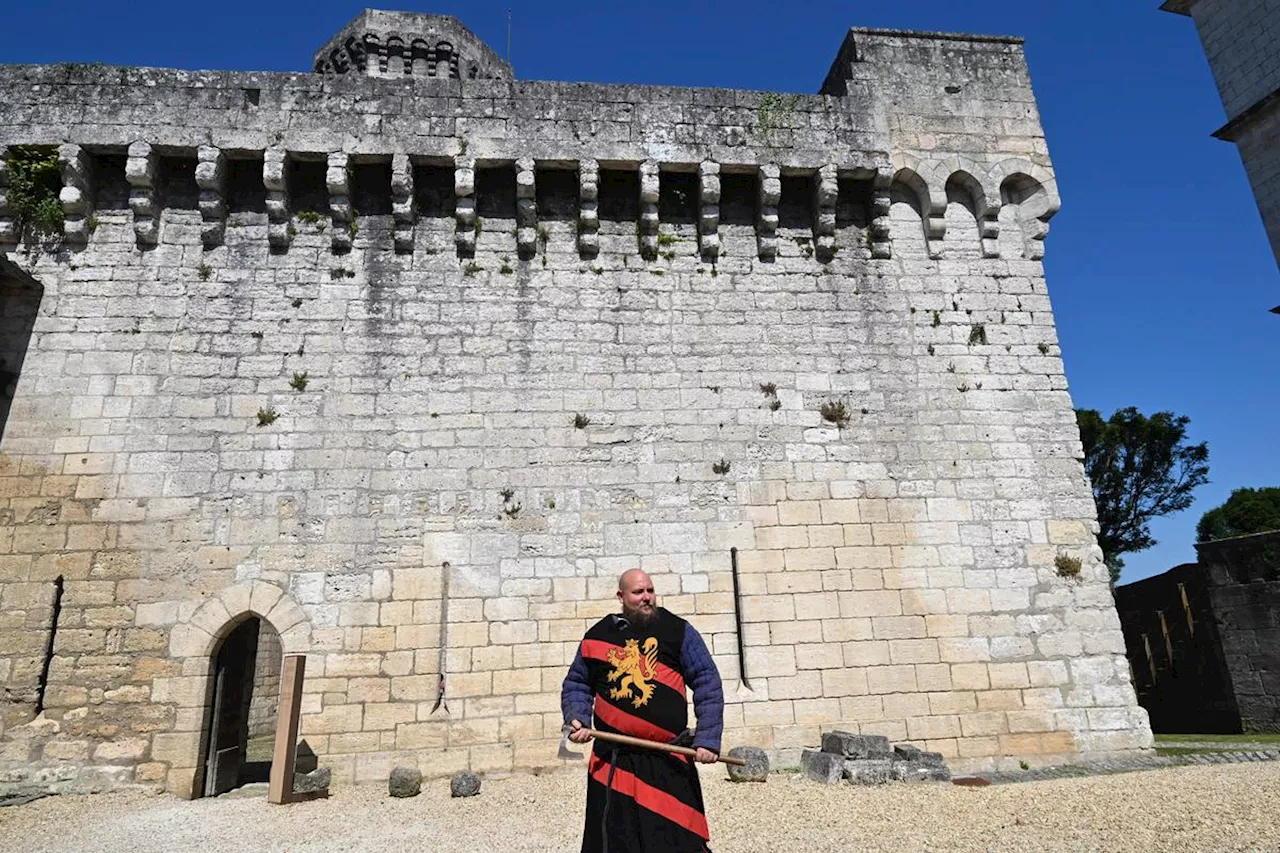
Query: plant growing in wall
x=299, y=382
x=721, y=467
x=581, y=421
x=835, y=412
x=1067, y=566
x=34, y=184
x=775, y=114
x=266, y=417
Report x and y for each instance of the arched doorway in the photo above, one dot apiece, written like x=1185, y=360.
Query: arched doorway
x=245, y=689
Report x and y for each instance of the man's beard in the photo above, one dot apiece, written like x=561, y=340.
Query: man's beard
x=638, y=617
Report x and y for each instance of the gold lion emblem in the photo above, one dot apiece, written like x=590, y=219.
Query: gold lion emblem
x=636, y=669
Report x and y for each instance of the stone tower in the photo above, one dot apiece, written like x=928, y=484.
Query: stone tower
x=1242, y=41
x=339, y=356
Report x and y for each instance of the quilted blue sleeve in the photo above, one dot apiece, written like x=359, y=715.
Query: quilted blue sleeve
x=701, y=674
x=576, y=693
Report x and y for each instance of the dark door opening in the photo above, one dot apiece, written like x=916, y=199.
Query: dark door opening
x=246, y=687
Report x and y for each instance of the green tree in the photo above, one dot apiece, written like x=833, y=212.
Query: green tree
x=1246, y=511
x=1141, y=468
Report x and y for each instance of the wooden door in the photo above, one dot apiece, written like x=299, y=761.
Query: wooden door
x=229, y=725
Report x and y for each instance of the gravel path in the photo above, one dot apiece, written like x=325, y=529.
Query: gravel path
x=1184, y=809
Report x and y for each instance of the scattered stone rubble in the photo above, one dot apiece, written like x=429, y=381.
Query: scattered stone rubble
x=870, y=760
x=464, y=783
x=405, y=782
x=755, y=770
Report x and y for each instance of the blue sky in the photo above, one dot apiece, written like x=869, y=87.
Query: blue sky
x=1158, y=265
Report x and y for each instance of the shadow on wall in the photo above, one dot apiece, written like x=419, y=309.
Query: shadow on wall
x=20, y=296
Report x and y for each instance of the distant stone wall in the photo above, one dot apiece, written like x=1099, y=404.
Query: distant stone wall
x=1245, y=596
x=1175, y=652
x=266, y=682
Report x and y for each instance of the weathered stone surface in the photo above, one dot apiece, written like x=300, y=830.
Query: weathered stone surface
x=856, y=746
x=464, y=784
x=313, y=782
x=404, y=782
x=908, y=753
x=236, y=400
x=755, y=770
x=823, y=767
x=868, y=771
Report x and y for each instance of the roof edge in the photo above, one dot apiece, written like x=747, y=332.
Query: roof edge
x=937, y=35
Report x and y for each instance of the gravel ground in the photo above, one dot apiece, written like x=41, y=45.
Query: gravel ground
x=1184, y=809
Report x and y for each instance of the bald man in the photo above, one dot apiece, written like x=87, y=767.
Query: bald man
x=630, y=674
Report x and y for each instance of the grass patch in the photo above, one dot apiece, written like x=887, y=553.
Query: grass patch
x=1225, y=740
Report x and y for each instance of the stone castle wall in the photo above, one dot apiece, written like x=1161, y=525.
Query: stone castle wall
x=1241, y=40
x=311, y=339
x=1244, y=575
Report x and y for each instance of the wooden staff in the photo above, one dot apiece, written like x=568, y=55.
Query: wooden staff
x=627, y=740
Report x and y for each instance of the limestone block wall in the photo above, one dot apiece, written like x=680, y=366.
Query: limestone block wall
x=1241, y=39
x=349, y=354
x=266, y=683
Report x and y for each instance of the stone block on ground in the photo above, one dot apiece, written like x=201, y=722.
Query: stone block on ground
x=914, y=771
x=312, y=782
x=824, y=767
x=756, y=768
x=868, y=771
x=464, y=783
x=405, y=782
x=856, y=746
x=908, y=753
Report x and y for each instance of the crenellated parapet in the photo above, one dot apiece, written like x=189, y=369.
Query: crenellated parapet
x=408, y=44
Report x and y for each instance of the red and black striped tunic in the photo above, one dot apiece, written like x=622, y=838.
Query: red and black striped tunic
x=640, y=801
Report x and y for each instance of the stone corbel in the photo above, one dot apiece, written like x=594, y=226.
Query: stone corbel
x=140, y=171
x=709, y=210
x=275, y=163
x=881, y=201
x=337, y=179
x=526, y=209
x=767, y=223
x=211, y=177
x=403, y=205
x=76, y=194
x=826, y=189
x=589, y=208
x=648, y=227
x=464, y=211
x=8, y=222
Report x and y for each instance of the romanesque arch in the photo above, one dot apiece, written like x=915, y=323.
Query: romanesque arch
x=195, y=642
